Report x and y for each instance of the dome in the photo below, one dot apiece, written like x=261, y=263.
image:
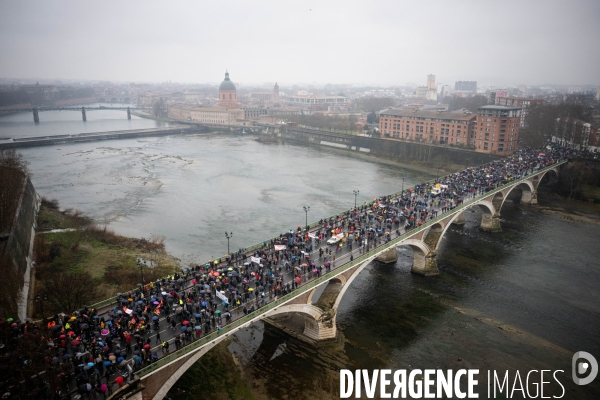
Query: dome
x=227, y=84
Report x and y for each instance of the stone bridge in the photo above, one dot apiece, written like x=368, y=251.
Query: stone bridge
x=155, y=380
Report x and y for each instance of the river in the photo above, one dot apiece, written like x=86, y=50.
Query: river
x=525, y=298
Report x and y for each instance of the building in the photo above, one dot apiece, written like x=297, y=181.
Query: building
x=428, y=92
x=576, y=134
x=520, y=102
x=466, y=86
x=427, y=126
x=217, y=115
x=254, y=112
x=180, y=111
x=314, y=102
x=497, y=129
x=267, y=96
x=228, y=94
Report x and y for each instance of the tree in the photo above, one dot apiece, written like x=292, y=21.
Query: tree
x=470, y=103
x=372, y=118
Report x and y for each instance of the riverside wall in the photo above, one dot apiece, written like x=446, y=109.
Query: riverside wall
x=398, y=150
x=16, y=247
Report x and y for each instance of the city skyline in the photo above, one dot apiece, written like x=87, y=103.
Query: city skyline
x=380, y=44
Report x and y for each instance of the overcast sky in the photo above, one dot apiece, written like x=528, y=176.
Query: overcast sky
x=376, y=42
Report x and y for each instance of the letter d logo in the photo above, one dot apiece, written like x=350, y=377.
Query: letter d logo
x=590, y=365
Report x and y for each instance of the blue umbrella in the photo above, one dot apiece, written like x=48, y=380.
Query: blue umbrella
x=198, y=327
x=120, y=359
x=140, y=302
x=90, y=364
x=66, y=356
x=154, y=318
x=106, y=363
x=197, y=315
x=183, y=328
x=152, y=298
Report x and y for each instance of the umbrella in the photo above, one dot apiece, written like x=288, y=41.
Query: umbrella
x=230, y=269
x=119, y=380
x=147, y=346
x=197, y=315
x=197, y=327
x=9, y=320
x=298, y=280
x=112, y=357
x=120, y=359
x=305, y=265
x=155, y=303
x=163, y=293
x=250, y=289
x=105, y=332
x=155, y=318
x=137, y=359
x=217, y=312
x=90, y=364
x=123, y=363
x=186, y=322
x=183, y=328
x=66, y=356
x=86, y=367
x=106, y=363
x=75, y=342
x=84, y=326
x=62, y=336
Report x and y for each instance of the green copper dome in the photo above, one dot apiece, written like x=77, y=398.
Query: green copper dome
x=227, y=84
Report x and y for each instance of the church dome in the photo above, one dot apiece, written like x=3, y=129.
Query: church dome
x=227, y=84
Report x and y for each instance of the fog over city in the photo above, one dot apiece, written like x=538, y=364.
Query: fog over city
x=366, y=42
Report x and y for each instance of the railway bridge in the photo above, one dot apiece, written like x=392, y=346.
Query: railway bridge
x=155, y=380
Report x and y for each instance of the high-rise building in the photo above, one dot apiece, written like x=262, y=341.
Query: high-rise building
x=466, y=86
x=431, y=88
x=497, y=129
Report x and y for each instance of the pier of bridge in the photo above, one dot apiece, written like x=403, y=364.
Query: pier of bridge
x=155, y=380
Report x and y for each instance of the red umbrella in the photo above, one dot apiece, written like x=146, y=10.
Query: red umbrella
x=147, y=346
x=119, y=380
x=62, y=336
x=185, y=322
x=298, y=280
x=75, y=342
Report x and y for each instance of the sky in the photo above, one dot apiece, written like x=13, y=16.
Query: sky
x=509, y=42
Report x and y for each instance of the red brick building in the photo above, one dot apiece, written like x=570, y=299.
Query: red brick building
x=427, y=126
x=521, y=102
x=497, y=129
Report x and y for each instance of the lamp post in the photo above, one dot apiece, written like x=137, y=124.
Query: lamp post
x=306, y=209
x=356, y=192
x=438, y=173
x=38, y=299
x=228, y=236
x=139, y=263
x=402, y=186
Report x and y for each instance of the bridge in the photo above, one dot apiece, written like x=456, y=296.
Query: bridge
x=156, y=379
x=83, y=110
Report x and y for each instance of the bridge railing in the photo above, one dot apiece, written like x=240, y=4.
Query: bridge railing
x=313, y=225
x=227, y=329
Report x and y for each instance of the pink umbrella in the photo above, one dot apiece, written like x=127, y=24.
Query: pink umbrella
x=155, y=303
x=105, y=332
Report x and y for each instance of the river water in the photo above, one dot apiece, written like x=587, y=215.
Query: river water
x=522, y=299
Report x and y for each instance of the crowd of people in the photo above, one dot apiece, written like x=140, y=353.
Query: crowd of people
x=92, y=352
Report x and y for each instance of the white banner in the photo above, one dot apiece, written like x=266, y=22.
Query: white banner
x=312, y=235
x=222, y=297
x=279, y=247
x=255, y=260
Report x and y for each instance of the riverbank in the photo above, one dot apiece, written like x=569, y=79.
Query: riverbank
x=555, y=206
x=79, y=262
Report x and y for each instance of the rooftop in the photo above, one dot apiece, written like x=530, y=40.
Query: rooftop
x=429, y=114
x=499, y=108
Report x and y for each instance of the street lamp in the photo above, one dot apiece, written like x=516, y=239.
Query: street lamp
x=228, y=236
x=306, y=212
x=139, y=263
x=356, y=192
x=402, y=186
x=438, y=173
x=38, y=299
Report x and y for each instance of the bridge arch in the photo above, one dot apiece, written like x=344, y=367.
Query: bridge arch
x=306, y=309
x=552, y=172
x=527, y=190
x=101, y=100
